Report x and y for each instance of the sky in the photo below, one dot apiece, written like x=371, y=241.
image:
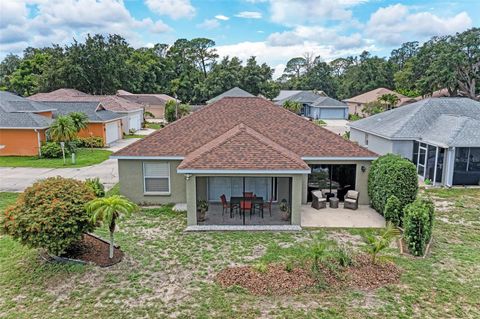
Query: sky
x=272, y=30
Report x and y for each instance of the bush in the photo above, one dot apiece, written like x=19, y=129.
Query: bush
x=96, y=186
x=418, y=225
x=392, y=175
x=50, y=214
x=393, y=210
x=51, y=150
x=90, y=142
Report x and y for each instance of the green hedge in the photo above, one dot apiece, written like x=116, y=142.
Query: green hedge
x=393, y=210
x=392, y=175
x=90, y=142
x=418, y=225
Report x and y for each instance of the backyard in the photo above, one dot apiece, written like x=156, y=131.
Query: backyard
x=169, y=273
x=84, y=157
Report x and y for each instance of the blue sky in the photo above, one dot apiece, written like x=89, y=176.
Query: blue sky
x=272, y=30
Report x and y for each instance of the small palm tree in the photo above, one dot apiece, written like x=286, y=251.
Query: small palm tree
x=62, y=130
x=108, y=209
x=80, y=120
x=375, y=245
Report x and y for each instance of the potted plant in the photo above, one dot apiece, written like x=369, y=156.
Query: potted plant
x=285, y=215
x=202, y=208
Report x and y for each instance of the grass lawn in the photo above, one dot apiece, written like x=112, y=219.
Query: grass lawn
x=155, y=126
x=169, y=273
x=85, y=157
x=134, y=136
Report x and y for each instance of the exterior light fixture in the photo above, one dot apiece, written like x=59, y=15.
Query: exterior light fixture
x=363, y=169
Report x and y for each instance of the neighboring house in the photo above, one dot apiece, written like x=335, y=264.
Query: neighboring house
x=132, y=112
x=22, y=125
x=317, y=106
x=101, y=122
x=234, y=92
x=238, y=145
x=152, y=103
x=285, y=94
x=357, y=103
x=440, y=135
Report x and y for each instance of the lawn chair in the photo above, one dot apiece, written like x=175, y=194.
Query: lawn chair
x=227, y=206
x=351, y=200
x=318, y=201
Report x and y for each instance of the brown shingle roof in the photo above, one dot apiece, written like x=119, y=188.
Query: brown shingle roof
x=373, y=95
x=288, y=130
x=110, y=102
x=242, y=148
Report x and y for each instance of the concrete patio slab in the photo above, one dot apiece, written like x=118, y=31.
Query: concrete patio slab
x=118, y=145
x=363, y=217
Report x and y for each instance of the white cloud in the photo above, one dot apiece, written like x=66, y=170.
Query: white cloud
x=209, y=24
x=221, y=17
x=12, y=13
x=301, y=11
x=316, y=34
x=249, y=15
x=160, y=27
x=173, y=8
x=395, y=24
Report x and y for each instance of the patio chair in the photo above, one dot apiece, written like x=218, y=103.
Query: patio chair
x=248, y=194
x=246, y=205
x=318, y=201
x=227, y=206
x=269, y=205
x=351, y=200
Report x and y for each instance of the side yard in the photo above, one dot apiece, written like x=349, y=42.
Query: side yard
x=169, y=273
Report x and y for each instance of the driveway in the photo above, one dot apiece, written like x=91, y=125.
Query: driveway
x=16, y=179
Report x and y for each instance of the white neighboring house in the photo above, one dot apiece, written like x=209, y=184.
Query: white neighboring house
x=441, y=136
x=132, y=112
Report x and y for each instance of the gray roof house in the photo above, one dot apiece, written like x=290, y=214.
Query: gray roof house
x=440, y=135
x=234, y=92
x=317, y=106
x=95, y=111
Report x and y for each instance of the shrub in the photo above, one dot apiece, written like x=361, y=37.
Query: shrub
x=377, y=244
x=51, y=150
x=392, y=175
x=261, y=267
x=96, y=186
x=50, y=214
x=90, y=142
x=418, y=225
x=393, y=210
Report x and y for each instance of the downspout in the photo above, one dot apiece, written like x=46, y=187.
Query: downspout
x=39, y=143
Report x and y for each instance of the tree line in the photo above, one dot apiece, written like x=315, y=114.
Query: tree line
x=192, y=71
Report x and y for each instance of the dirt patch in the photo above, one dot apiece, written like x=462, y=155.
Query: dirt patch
x=277, y=281
x=345, y=238
x=274, y=281
x=94, y=250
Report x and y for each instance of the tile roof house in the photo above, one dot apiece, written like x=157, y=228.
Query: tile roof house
x=233, y=92
x=356, y=103
x=22, y=124
x=152, y=103
x=317, y=106
x=132, y=112
x=237, y=145
x=440, y=135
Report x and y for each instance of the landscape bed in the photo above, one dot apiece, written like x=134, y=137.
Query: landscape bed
x=169, y=273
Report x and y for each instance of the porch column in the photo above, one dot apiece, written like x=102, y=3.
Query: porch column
x=450, y=166
x=304, y=188
x=191, y=185
x=297, y=187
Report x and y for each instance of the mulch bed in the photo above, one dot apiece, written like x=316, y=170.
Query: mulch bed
x=94, y=250
x=277, y=281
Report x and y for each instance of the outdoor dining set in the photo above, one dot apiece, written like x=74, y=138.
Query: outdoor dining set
x=249, y=202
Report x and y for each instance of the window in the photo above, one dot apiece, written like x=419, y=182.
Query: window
x=156, y=178
x=366, y=139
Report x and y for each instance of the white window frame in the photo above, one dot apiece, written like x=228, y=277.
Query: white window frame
x=145, y=185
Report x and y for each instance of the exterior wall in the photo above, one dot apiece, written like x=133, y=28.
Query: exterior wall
x=376, y=144
x=126, y=120
x=361, y=179
x=329, y=113
x=157, y=110
x=131, y=183
x=283, y=188
x=20, y=142
x=355, y=108
x=403, y=148
x=93, y=129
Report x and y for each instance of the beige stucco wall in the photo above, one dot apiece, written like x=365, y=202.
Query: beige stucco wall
x=131, y=183
x=361, y=179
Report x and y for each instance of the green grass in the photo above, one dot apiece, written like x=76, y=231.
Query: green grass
x=169, y=273
x=85, y=157
x=155, y=126
x=133, y=136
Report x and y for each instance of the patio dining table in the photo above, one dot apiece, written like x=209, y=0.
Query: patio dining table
x=236, y=200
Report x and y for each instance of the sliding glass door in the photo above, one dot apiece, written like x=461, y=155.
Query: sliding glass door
x=334, y=180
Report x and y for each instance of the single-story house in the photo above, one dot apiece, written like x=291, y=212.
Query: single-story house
x=239, y=145
x=152, y=103
x=440, y=135
x=233, y=92
x=102, y=123
x=285, y=94
x=356, y=103
x=22, y=125
x=132, y=112
x=317, y=106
